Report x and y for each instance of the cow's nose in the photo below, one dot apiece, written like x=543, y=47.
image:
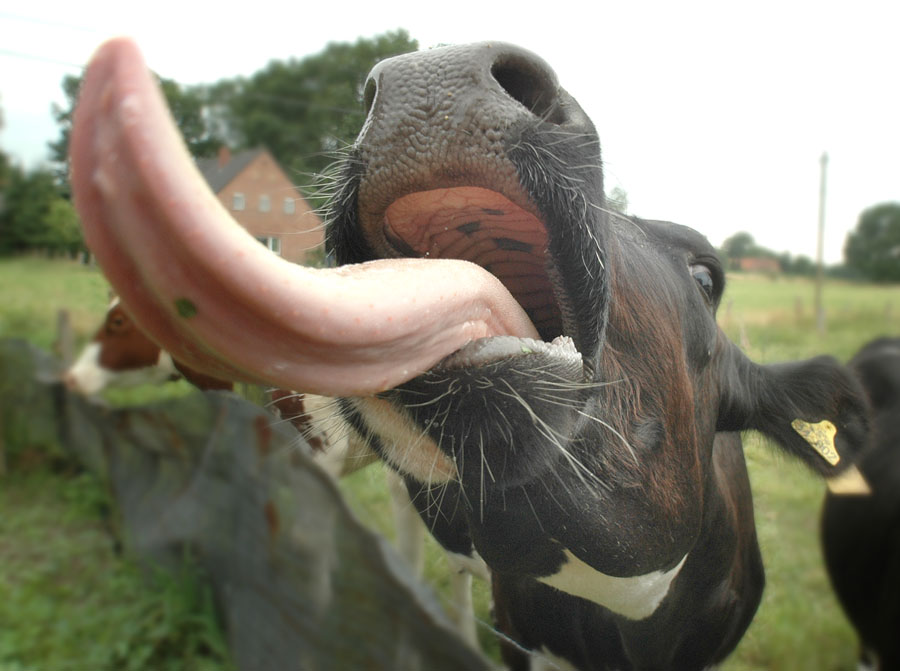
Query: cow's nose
x=449, y=82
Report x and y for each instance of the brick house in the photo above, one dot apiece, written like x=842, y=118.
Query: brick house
x=759, y=264
x=258, y=194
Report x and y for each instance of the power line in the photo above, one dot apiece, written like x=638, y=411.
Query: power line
x=42, y=59
x=295, y=102
x=47, y=22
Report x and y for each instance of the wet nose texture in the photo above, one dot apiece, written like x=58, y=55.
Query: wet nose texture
x=475, y=69
x=448, y=118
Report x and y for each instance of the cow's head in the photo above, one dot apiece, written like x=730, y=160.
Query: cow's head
x=118, y=355
x=498, y=325
x=476, y=153
x=121, y=355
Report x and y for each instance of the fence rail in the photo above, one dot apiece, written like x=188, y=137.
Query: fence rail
x=299, y=581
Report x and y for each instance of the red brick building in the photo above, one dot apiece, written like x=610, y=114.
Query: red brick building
x=258, y=194
x=759, y=264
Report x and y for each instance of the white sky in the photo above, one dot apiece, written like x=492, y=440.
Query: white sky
x=712, y=114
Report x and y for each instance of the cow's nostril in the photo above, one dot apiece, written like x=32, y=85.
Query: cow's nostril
x=531, y=86
x=369, y=94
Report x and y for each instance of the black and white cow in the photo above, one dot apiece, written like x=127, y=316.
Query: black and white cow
x=548, y=376
x=861, y=534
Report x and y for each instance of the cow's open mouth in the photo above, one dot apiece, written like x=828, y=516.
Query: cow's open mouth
x=484, y=227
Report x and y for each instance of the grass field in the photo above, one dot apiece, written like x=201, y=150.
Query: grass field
x=798, y=627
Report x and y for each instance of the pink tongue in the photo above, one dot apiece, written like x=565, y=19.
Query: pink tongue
x=209, y=293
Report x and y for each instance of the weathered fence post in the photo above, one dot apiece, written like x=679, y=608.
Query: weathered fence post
x=300, y=582
x=2, y=449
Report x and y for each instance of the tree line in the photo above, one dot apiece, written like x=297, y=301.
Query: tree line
x=871, y=251
x=306, y=111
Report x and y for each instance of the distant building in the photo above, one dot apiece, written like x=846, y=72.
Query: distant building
x=758, y=264
x=258, y=194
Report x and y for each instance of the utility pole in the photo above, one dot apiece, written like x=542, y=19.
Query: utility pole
x=820, y=247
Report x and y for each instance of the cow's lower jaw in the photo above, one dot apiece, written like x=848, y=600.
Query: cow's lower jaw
x=635, y=597
x=486, y=351
x=480, y=404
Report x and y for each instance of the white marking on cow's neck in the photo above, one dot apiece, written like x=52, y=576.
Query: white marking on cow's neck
x=636, y=597
x=86, y=375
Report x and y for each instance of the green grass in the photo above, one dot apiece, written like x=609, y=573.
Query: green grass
x=798, y=627
x=67, y=600
x=34, y=289
x=776, y=317
x=70, y=602
x=366, y=493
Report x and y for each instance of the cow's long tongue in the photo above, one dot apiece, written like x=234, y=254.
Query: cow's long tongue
x=209, y=293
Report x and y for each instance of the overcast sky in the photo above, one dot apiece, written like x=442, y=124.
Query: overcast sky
x=712, y=114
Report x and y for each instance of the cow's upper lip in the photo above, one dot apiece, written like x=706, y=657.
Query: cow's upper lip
x=485, y=227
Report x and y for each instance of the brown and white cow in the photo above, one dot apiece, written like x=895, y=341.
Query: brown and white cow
x=120, y=354
x=861, y=534
x=548, y=376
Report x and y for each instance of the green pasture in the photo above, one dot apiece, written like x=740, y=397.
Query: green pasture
x=48, y=535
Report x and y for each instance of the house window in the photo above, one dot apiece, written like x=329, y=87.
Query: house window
x=273, y=244
x=237, y=201
x=289, y=206
x=265, y=204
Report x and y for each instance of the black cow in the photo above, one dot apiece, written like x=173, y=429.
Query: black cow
x=595, y=471
x=861, y=534
x=577, y=428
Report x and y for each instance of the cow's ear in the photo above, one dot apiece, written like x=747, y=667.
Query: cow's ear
x=815, y=409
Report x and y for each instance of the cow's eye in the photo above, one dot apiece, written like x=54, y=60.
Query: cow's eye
x=704, y=277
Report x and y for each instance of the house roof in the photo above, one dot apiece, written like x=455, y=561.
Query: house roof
x=218, y=176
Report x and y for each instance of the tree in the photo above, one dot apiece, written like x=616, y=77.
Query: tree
x=188, y=106
x=62, y=229
x=36, y=216
x=739, y=246
x=796, y=265
x=304, y=111
x=5, y=165
x=873, y=247
x=27, y=201
x=59, y=150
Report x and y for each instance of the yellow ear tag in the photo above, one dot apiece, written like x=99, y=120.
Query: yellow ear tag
x=820, y=436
